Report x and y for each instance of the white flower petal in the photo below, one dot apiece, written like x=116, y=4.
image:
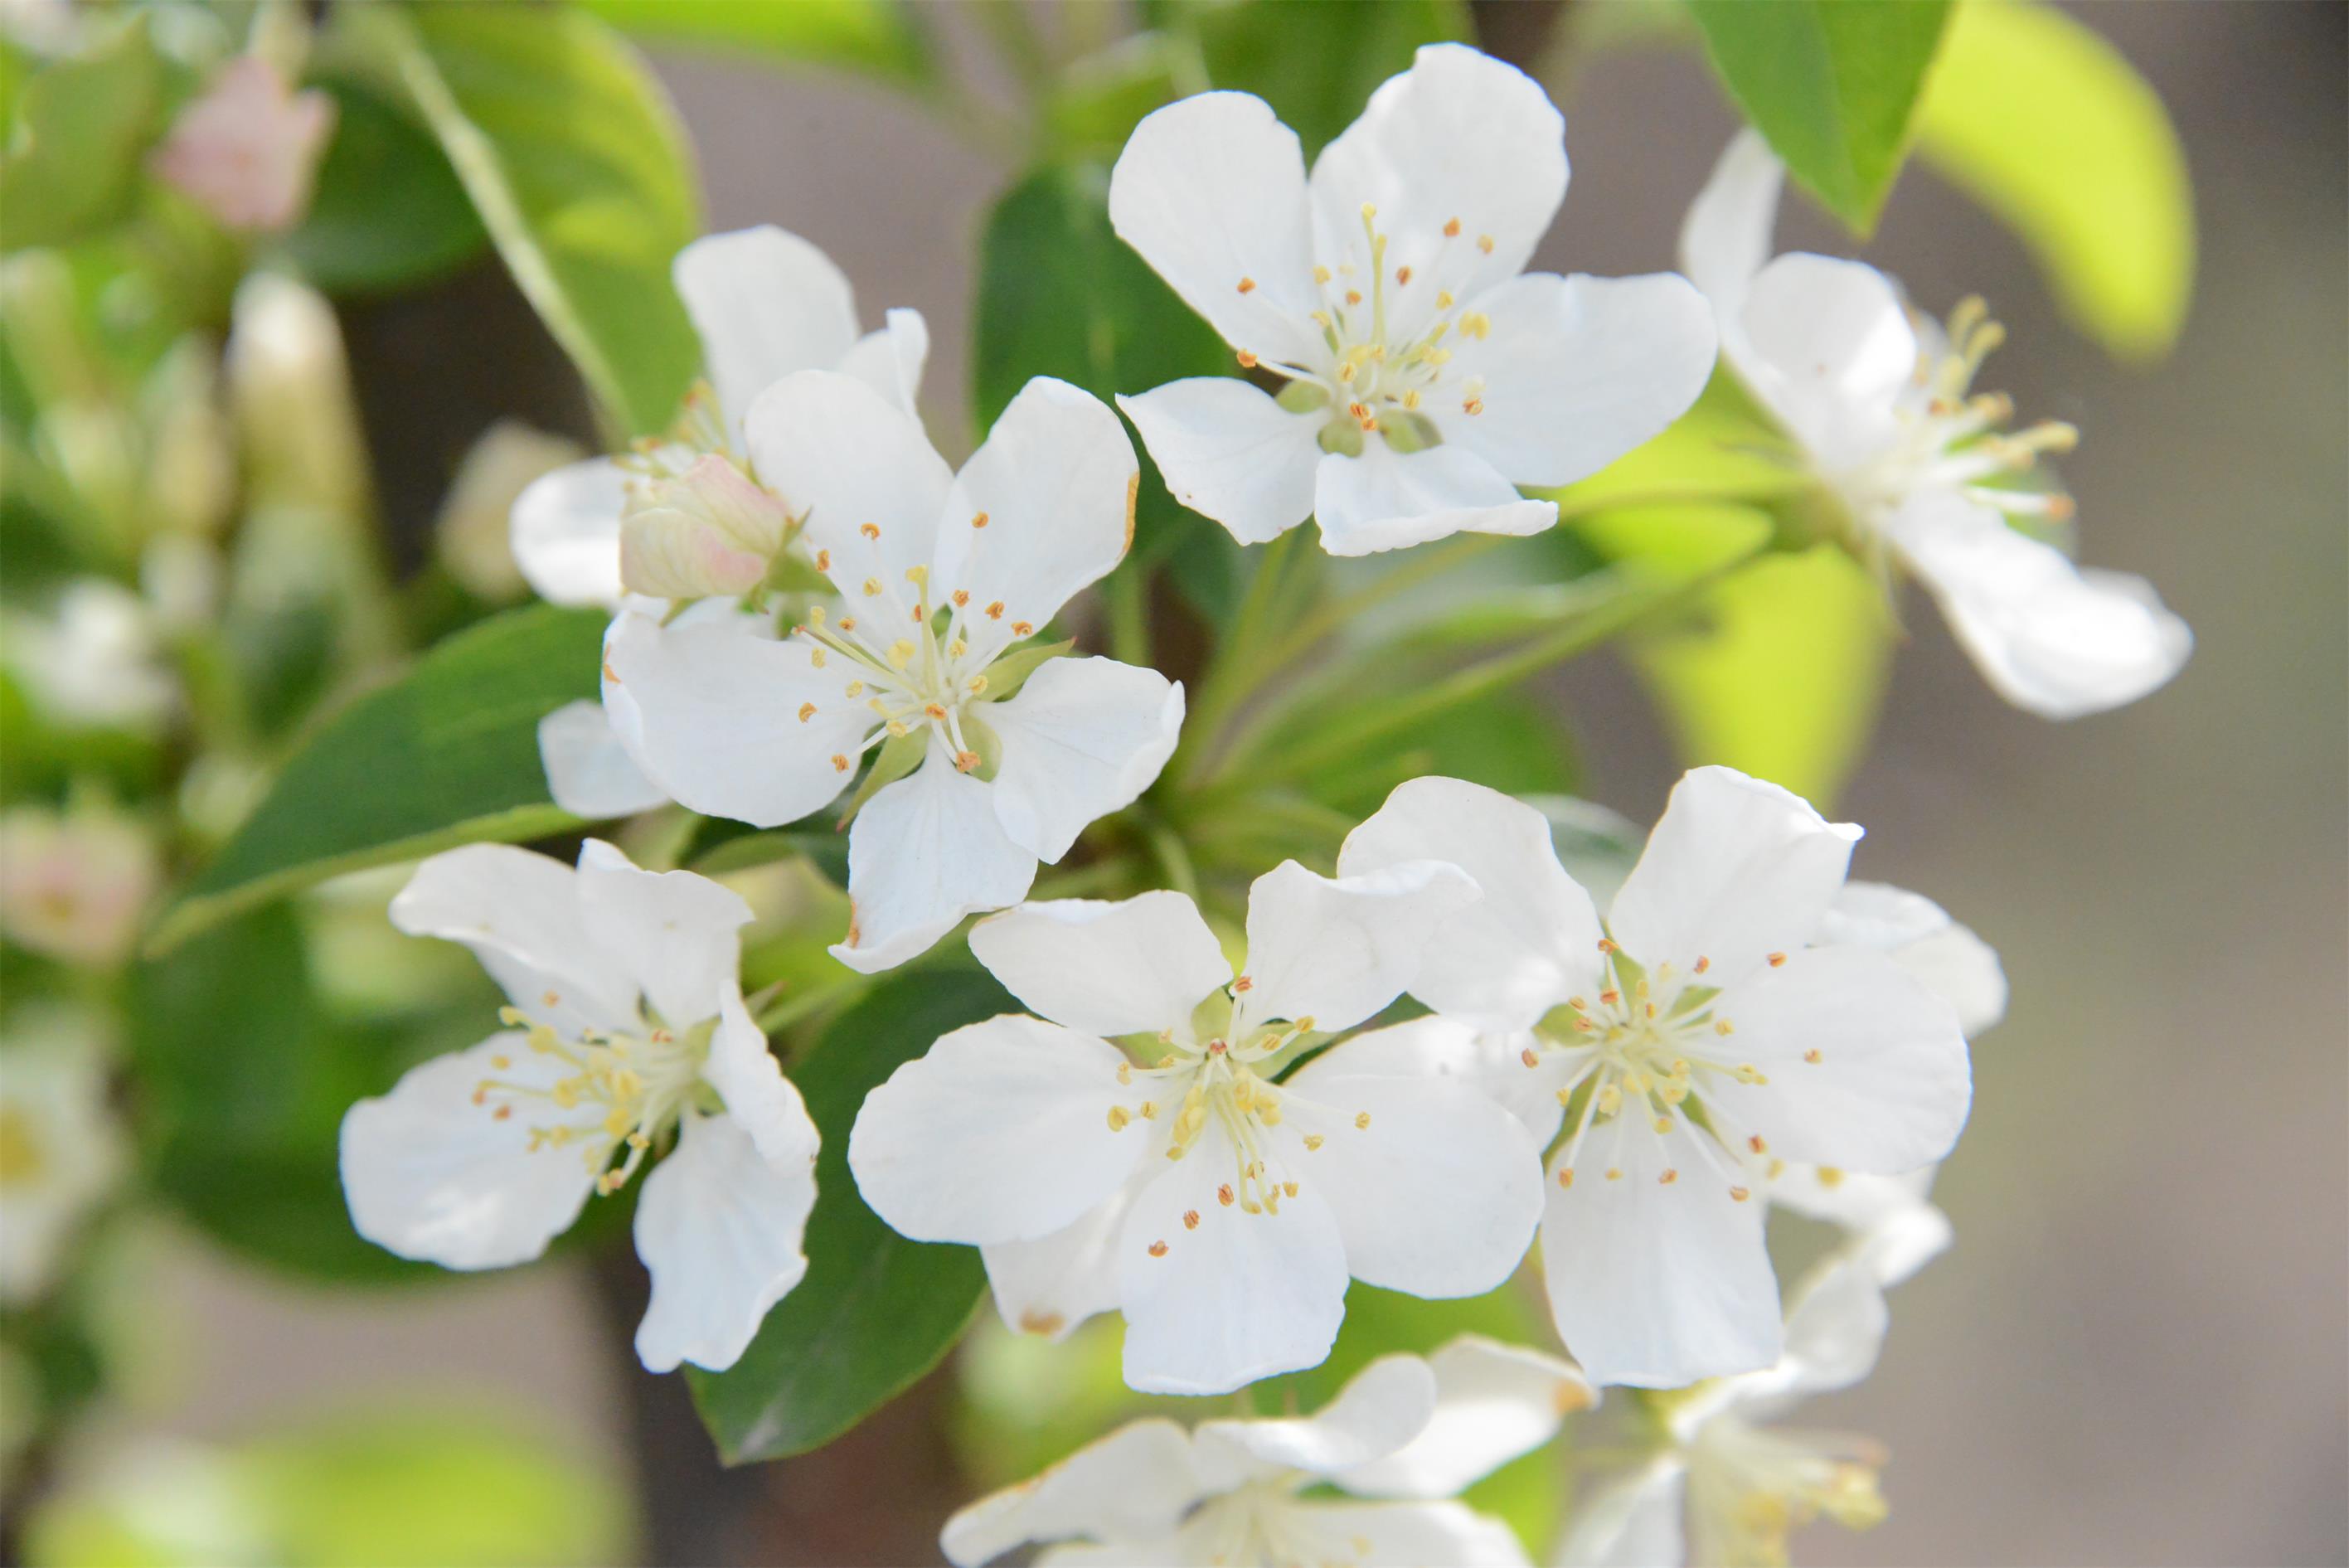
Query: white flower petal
x=1381, y=1408
x=1895, y=1228
x=1137, y=1481
x=1919, y=935
x=846, y=458
x=67, y=1149
x=1737, y=869
x=1459, y=136
x=711, y=710
x=999, y=1133
x=520, y=914
x=1864, y=1067
x=1831, y=350
x=2048, y=636
x=766, y=303
x=1726, y=237
x=1401, y=1535
x=891, y=360
x=720, y=1227
x=1053, y=1284
x=1338, y=948
x=1211, y=191
x=1237, y=1297
x=760, y=1100
x=1836, y=1326
x=1576, y=371
x=1227, y=451
x=1634, y=1523
x=1436, y=1188
x=1652, y=1283
x=588, y=772
x=1138, y=965
x=679, y=934
x=565, y=532
x=1385, y=499
x=1056, y=481
x=1493, y=1403
x=1529, y=943
x=1491, y=1062
x=1085, y=737
x=431, y=1175
x=923, y=853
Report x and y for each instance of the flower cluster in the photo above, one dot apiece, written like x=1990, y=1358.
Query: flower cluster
x=1198, y=1124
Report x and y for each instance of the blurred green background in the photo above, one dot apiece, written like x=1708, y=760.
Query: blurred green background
x=2135, y=1352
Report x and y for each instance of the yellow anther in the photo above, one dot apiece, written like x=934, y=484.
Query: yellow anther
x=995, y=610
x=1476, y=324
x=1158, y=1249
x=1611, y=1100
x=1484, y=244
x=1450, y=228
x=1528, y=1057
x=1312, y=1142
x=1664, y=1124
x=1248, y=286
x=1190, y=1219
x=1224, y=1194
x=901, y=653
x=871, y=587
x=1565, y=1176
x=1829, y=1175
x=807, y=712
x=1247, y=360
x=1813, y=1057
x=1369, y=210
x=854, y=689
x=1668, y=1177
x=1126, y=1072
x=1739, y=1194
x=1777, y=959
x=1023, y=629
x=1118, y=1118
x=1321, y=275
x=1362, y=1121
x=839, y=762
x=1723, y=1026
x=869, y=530
x=1613, y=1174
x=815, y=656
x=1402, y=276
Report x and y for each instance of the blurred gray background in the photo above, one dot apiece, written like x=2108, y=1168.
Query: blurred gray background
x=2136, y=1354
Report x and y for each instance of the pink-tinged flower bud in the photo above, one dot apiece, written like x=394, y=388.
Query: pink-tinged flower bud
x=74, y=886
x=709, y=530
x=247, y=149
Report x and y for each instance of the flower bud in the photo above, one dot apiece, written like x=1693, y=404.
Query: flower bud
x=472, y=535
x=247, y=149
x=74, y=886
x=709, y=530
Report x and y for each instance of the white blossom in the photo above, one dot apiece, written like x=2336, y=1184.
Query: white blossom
x=1400, y=1438
x=1172, y=1178
x=1880, y=399
x=627, y=1033
x=1725, y=1489
x=74, y=885
x=61, y=1151
x=1428, y=374
x=992, y=762
x=1705, y=1027
x=96, y=663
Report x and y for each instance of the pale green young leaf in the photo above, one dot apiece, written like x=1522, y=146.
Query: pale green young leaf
x=1831, y=83
x=882, y=38
x=2046, y=125
x=447, y=755
x=81, y=126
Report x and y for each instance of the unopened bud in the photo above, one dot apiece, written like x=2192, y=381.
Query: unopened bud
x=709, y=530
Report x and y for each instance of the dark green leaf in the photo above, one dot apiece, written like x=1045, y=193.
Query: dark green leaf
x=447, y=755
x=1530, y=753
x=82, y=127
x=876, y=1311
x=580, y=174
x=1317, y=64
x=388, y=211
x=1832, y=84
x=879, y=37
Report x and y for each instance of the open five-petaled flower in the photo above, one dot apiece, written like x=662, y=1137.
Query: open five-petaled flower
x=987, y=759
x=1428, y=374
x=1400, y=1438
x=1182, y=1178
x=626, y=1029
x=1880, y=399
x=1693, y=1033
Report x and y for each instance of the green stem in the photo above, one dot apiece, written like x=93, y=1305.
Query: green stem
x=1128, y=616
x=1172, y=858
x=789, y=1010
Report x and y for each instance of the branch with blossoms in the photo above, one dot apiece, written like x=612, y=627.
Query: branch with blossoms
x=1130, y=874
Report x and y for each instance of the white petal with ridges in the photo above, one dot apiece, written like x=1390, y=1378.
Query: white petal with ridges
x=520, y=914
x=1831, y=351
x=1337, y=949
x=1135, y=966
x=1919, y=935
x=1491, y=1062
x=1726, y=237
x=1052, y=1284
x=1634, y=1523
x=720, y=1227
x=588, y=772
x=1737, y=869
x=678, y=934
x=1576, y=372
x=760, y=1100
x=1401, y=1535
x=1385, y=499
x=1493, y=1402
x=1001, y=1132
x=1381, y=1408
x=1082, y=738
x=766, y=303
x=924, y=852
x=891, y=360
x=565, y=532
x=1137, y=1481
x=844, y=457
x=432, y=1175
x=1227, y=451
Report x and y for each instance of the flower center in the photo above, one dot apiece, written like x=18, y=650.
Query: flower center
x=916, y=660
x=1951, y=437
x=1220, y=1086
x=1640, y=1056
x=626, y=1089
x=1384, y=329
x=1750, y=1488
x=22, y=1155
x=1257, y=1523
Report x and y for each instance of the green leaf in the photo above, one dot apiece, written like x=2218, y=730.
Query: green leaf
x=82, y=126
x=388, y=211
x=575, y=162
x=243, y=1077
x=1831, y=84
x=447, y=755
x=1099, y=98
x=876, y=36
x=2045, y=124
x=1723, y=449
x=1316, y=63
x=875, y=1310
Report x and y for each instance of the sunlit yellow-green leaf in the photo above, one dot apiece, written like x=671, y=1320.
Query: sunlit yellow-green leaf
x=879, y=37
x=2046, y=125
